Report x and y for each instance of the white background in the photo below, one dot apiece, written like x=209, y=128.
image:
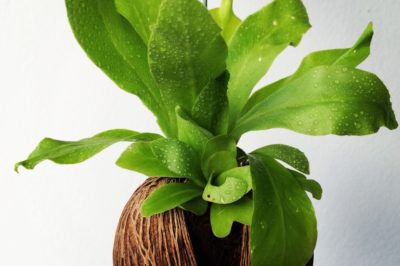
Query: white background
x=67, y=215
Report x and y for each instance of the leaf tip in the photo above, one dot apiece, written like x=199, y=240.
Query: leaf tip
x=391, y=121
x=24, y=164
x=393, y=124
x=370, y=26
x=16, y=167
x=120, y=161
x=144, y=214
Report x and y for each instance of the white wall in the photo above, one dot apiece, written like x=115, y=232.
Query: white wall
x=66, y=215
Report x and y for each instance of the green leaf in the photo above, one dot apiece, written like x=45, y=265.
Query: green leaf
x=242, y=172
x=186, y=51
x=325, y=100
x=256, y=44
x=226, y=19
x=70, y=152
x=210, y=109
x=222, y=216
x=219, y=143
x=264, y=93
x=219, y=162
x=164, y=158
x=115, y=47
x=197, y=206
x=229, y=186
x=139, y=157
x=142, y=15
x=232, y=190
x=292, y=156
x=178, y=157
x=191, y=133
x=219, y=155
x=284, y=228
x=168, y=197
x=349, y=57
x=309, y=185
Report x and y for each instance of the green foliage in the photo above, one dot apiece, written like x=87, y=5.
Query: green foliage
x=191, y=133
x=186, y=51
x=210, y=110
x=320, y=102
x=195, y=70
x=70, y=152
x=349, y=57
x=139, y=157
x=218, y=155
x=292, y=156
x=197, y=206
x=226, y=19
x=309, y=185
x=222, y=216
x=257, y=42
x=118, y=50
x=283, y=222
x=168, y=197
x=163, y=157
x=142, y=15
x=229, y=187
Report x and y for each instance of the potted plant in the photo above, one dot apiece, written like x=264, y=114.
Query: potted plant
x=208, y=202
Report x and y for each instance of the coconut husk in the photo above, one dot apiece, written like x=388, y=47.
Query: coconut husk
x=175, y=238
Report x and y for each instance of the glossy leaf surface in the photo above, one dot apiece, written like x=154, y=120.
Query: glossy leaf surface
x=230, y=191
x=197, y=206
x=168, y=197
x=283, y=228
x=210, y=110
x=186, y=51
x=219, y=143
x=325, y=100
x=348, y=57
x=191, y=133
x=71, y=152
x=222, y=216
x=229, y=186
x=257, y=42
x=308, y=185
x=219, y=155
x=142, y=15
x=218, y=163
x=292, y=156
x=139, y=157
x=178, y=157
x=115, y=47
x=163, y=158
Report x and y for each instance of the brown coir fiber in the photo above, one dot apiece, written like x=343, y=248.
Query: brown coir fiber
x=174, y=238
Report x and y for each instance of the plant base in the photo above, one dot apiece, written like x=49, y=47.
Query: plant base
x=175, y=238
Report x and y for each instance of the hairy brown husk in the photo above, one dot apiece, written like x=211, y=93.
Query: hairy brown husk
x=175, y=238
